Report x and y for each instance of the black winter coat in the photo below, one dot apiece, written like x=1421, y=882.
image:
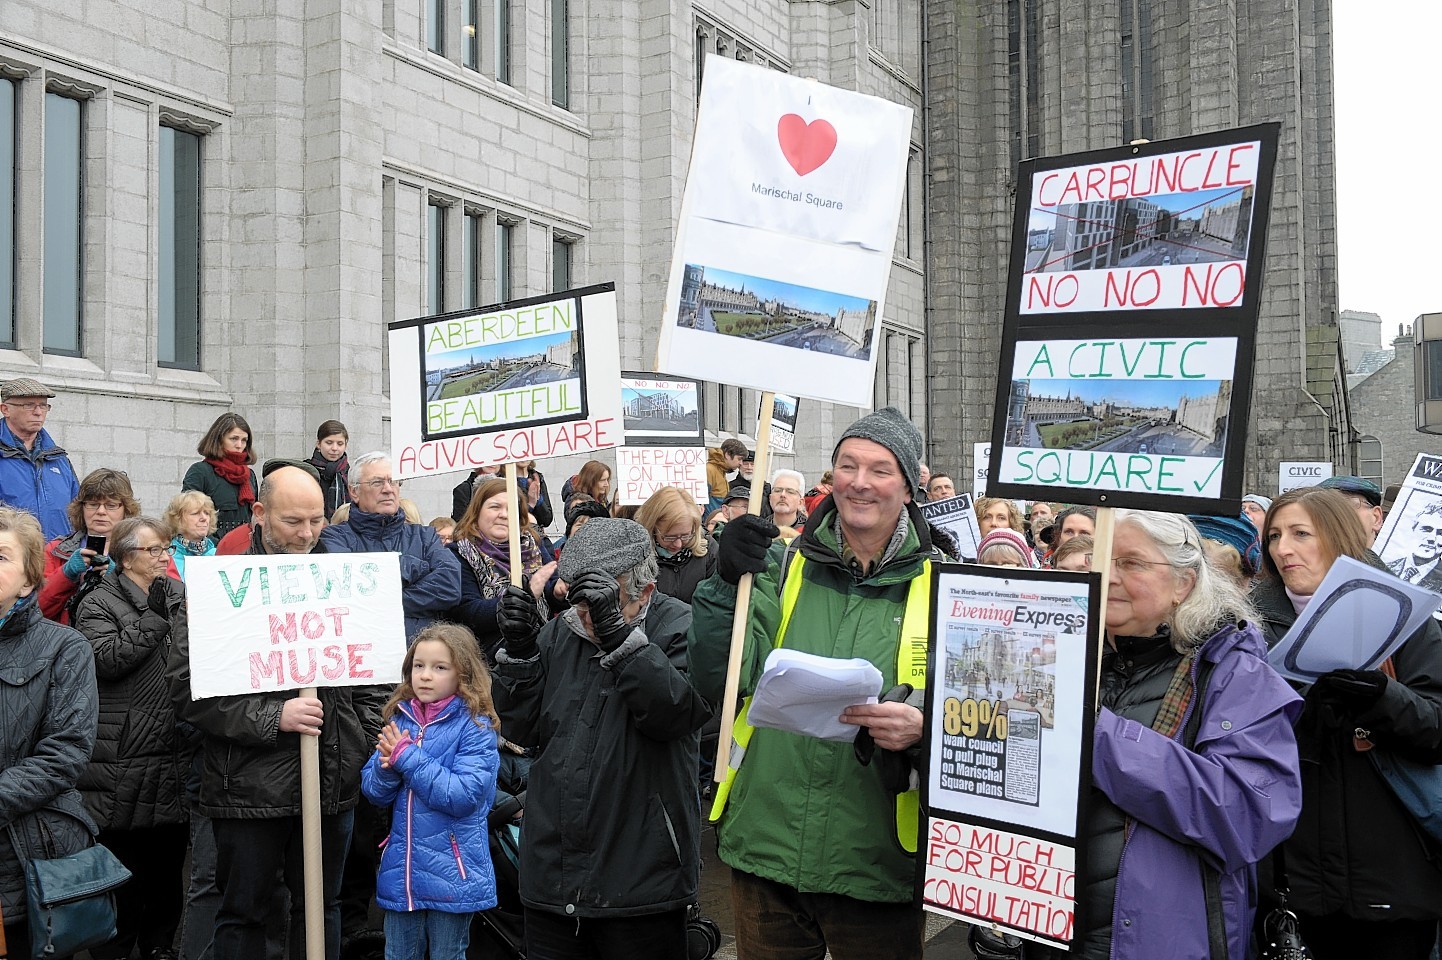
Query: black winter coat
x=612, y=821
x=678, y=578
x=249, y=769
x=136, y=776
x=1356, y=851
x=47, y=730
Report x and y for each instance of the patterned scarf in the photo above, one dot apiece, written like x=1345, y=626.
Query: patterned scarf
x=491, y=562
x=234, y=469
x=1178, y=696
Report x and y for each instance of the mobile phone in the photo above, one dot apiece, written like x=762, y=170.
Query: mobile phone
x=95, y=543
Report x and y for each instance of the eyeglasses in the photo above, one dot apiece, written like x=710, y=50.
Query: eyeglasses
x=380, y=483
x=27, y=406
x=676, y=540
x=107, y=505
x=786, y=490
x=157, y=552
x=1134, y=565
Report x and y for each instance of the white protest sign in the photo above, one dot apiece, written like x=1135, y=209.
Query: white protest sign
x=957, y=516
x=1357, y=618
x=283, y=621
x=783, y=422
x=517, y=381
x=787, y=227
x=1410, y=541
x=980, y=464
x=1137, y=415
x=1292, y=474
x=1183, y=225
x=641, y=471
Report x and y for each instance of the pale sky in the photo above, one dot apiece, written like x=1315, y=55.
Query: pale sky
x=1389, y=149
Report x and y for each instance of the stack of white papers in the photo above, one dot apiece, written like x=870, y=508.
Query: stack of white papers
x=803, y=693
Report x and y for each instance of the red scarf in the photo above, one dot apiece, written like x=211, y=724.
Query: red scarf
x=234, y=470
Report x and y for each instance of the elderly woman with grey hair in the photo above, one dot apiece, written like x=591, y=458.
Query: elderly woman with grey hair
x=134, y=786
x=1194, y=765
x=611, y=857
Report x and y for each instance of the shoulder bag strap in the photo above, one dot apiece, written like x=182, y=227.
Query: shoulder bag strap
x=1211, y=877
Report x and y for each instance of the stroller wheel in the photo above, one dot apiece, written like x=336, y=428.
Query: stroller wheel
x=703, y=938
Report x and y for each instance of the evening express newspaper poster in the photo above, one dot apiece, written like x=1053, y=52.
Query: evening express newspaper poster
x=1131, y=314
x=1009, y=711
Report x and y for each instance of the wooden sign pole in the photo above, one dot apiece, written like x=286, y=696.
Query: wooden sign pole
x=310, y=838
x=513, y=524
x=743, y=591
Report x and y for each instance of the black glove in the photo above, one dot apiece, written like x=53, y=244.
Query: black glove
x=1350, y=691
x=894, y=767
x=158, y=599
x=154, y=624
x=519, y=620
x=602, y=596
x=743, y=547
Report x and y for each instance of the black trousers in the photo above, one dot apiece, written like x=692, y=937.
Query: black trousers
x=1339, y=937
x=655, y=936
x=147, y=908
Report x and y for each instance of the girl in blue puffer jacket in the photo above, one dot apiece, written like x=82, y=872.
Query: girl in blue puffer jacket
x=436, y=761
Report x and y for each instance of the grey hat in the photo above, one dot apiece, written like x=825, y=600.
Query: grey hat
x=738, y=491
x=24, y=387
x=890, y=428
x=1264, y=502
x=605, y=544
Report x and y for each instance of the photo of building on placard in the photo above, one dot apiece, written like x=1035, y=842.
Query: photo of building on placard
x=519, y=366
x=1012, y=671
x=1173, y=417
x=660, y=410
x=770, y=311
x=783, y=413
x=1205, y=226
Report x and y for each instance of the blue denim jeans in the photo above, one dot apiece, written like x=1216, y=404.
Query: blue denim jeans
x=250, y=857
x=409, y=933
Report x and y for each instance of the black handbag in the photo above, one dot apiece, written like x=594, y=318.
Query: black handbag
x=70, y=901
x=1281, y=932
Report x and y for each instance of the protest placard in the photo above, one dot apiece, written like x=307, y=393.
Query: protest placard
x=1410, y=541
x=957, y=516
x=1010, y=712
x=783, y=423
x=1127, y=353
x=516, y=381
x=980, y=467
x=658, y=410
x=641, y=471
x=787, y=227
x=279, y=622
x=1357, y=618
x=1292, y=474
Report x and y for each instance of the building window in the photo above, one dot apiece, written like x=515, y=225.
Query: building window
x=470, y=36
x=63, y=253
x=471, y=261
x=179, y=249
x=435, y=258
x=503, y=260
x=436, y=26
x=1369, y=461
x=8, y=132
x=561, y=252
x=503, y=41
x=561, y=53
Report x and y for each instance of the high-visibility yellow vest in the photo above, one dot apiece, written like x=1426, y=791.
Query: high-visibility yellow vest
x=910, y=668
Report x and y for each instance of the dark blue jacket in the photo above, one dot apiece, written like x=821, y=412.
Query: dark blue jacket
x=437, y=856
x=41, y=480
x=430, y=574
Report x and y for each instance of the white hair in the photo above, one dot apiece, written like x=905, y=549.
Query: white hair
x=358, y=465
x=793, y=474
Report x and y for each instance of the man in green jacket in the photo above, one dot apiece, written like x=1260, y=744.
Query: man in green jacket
x=817, y=841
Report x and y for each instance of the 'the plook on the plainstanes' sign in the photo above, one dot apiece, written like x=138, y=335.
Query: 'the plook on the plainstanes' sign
x=641, y=471
x=523, y=380
x=284, y=621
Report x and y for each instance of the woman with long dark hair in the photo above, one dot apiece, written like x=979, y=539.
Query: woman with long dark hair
x=594, y=481
x=224, y=474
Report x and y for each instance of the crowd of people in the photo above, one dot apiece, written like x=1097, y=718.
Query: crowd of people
x=598, y=665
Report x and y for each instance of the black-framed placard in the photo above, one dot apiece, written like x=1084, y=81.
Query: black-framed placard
x=1010, y=707
x=521, y=380
x=660, y=410
x=1130, y=328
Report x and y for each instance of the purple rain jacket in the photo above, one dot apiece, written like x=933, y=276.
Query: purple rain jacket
x=1231, y=801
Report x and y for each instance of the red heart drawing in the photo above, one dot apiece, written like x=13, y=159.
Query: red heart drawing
x=806, y=146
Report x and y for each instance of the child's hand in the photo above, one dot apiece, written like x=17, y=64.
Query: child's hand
x=390, y=735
